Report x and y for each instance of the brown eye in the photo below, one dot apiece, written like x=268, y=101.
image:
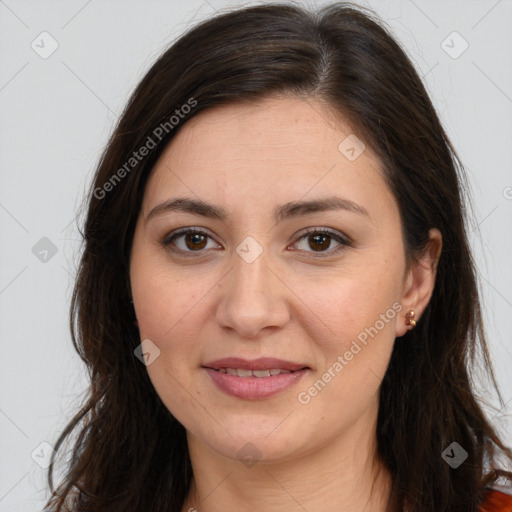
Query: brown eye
x=320, y=241
x=191, y=240
x=186, y=241
x=195, y=241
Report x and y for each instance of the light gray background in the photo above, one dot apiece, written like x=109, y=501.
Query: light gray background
x=56, y=115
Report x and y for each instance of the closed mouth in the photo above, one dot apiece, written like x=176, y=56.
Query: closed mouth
x=241, y=372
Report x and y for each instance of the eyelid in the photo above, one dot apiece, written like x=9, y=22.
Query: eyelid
x=342, y=239
x=168, y=239
x=327, y=231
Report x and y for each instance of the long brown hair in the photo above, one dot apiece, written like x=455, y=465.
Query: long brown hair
x=130, y=453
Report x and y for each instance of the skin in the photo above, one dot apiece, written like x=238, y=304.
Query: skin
x=296, y=301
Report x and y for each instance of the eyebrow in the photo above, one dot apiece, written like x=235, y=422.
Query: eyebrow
x=286, y=211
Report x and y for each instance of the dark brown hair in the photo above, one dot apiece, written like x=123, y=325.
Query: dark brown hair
x=130, y=453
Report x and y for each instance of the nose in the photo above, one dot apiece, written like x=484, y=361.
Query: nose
x=253, y=297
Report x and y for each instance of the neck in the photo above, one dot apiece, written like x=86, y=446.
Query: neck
x=344, y=474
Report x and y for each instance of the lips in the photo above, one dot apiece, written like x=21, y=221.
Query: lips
x=240, y=372
x=263, y=363
x=254, y=380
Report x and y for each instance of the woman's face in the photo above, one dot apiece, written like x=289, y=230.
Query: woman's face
x=271, y=328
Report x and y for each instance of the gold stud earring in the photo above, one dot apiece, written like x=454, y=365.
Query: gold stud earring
x=409, y=318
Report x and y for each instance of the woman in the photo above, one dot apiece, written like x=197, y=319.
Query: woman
x=276, y=301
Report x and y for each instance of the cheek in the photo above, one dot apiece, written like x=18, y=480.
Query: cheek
x=354, y=336
x=345, y=307
x=163, y=299
x=353, y=329
x=166, y=317
x=161, y=303
x=165, y=306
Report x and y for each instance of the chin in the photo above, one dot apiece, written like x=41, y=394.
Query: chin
x=256, y=441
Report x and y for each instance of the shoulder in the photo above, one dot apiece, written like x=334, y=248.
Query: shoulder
x=497, y=499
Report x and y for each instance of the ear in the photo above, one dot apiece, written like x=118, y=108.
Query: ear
x=420, y=281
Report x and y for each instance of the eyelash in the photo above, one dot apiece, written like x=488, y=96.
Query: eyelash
x=344, y=242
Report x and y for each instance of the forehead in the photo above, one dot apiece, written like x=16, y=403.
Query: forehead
x=282, y=126
x=287, y=147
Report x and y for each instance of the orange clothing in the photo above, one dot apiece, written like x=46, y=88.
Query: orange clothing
x=497, y=501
